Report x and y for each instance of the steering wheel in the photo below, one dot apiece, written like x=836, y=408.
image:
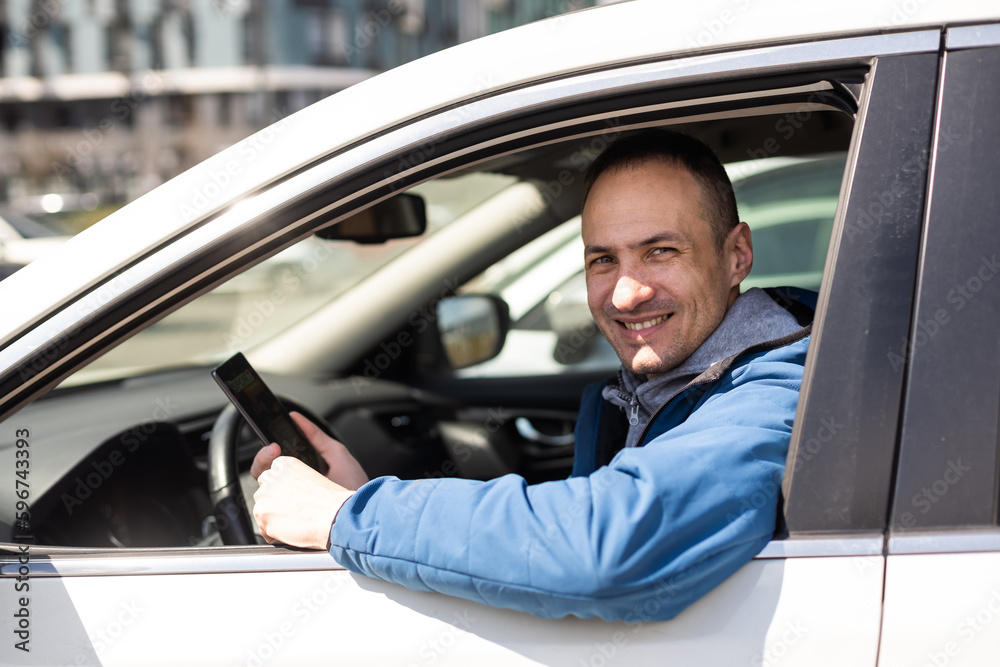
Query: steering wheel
x=232, y=519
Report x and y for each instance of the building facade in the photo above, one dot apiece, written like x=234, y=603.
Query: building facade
x=102, y=100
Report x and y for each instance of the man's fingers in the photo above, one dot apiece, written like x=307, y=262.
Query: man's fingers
x=344, y=469
x=264, y=458
x=296, y=505
x=305, y=425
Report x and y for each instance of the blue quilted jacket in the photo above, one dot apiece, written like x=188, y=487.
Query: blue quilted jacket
x=638, y=537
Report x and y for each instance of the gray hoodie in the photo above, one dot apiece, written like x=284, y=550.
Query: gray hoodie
x=752, y=319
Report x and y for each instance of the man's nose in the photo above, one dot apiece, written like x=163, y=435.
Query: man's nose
x=629, y=293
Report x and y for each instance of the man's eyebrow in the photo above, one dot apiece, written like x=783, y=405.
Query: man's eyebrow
x=665, y=237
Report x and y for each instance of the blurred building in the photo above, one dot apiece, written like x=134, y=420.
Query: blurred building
x=105, y=99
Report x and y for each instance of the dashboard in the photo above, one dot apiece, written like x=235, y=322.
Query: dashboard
x=124, y=463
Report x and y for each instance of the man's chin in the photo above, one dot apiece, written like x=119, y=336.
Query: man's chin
x=647, y=364
x=639, y=359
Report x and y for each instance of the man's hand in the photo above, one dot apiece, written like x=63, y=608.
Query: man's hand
x=344, y=469
x=295, y=504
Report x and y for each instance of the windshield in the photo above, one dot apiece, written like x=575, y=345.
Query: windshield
x=275, y=294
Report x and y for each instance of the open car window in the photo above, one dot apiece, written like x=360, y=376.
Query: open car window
x=281, y=290
x=140, y=481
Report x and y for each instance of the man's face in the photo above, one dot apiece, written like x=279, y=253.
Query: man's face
x=657, y=284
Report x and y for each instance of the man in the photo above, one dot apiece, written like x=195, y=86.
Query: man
x=678, y=463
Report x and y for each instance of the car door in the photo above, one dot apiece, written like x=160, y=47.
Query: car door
x=942, y=587
x=812, y=597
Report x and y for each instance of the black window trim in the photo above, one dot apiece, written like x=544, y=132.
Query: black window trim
x=839, y=473
x=949, y=464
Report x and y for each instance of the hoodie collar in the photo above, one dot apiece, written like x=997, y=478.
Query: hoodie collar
x=754, y=318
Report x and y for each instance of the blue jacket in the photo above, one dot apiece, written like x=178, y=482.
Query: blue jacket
x=638, y=539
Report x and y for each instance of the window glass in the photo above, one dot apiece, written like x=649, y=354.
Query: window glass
x=278, y=292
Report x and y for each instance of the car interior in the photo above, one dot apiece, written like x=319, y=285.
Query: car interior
x=385, y=341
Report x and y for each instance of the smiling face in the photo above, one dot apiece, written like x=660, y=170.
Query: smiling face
x=657, y=283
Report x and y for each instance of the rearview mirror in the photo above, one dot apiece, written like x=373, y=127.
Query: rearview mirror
x=473, y=328
x=400, y=217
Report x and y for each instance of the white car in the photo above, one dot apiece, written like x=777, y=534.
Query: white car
x=117, y=493
x=23, y=240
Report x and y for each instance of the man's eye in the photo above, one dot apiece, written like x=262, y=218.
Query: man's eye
x=661, y=251
x=603, y=259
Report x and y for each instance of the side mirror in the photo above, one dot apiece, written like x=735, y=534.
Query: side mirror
x=472, y=327
x=399, y=217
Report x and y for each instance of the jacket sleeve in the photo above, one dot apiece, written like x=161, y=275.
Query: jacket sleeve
x=638, y=539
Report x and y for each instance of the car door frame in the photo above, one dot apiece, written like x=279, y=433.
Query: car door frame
x=943, y=551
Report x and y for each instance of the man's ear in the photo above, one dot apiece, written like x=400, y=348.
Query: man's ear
x=739, y=253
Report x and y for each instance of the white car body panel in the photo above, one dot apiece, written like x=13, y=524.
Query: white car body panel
x=942, y=609
x=24, y=251
x=799, y=611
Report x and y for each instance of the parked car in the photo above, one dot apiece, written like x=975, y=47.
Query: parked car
x=23, y=240
x=888, y=549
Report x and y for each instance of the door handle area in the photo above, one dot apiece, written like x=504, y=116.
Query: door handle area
x=528, y=431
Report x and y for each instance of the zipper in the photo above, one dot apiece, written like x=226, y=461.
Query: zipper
x=724, y=366
x=633, y=410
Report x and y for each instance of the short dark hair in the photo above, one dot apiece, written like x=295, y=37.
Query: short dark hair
x=634, y=150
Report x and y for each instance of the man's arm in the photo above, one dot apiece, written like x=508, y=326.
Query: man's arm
x=666, y=522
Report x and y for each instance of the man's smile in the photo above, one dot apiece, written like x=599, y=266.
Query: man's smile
x=647, y=324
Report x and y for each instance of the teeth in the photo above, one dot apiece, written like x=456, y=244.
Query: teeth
x=639, y=326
